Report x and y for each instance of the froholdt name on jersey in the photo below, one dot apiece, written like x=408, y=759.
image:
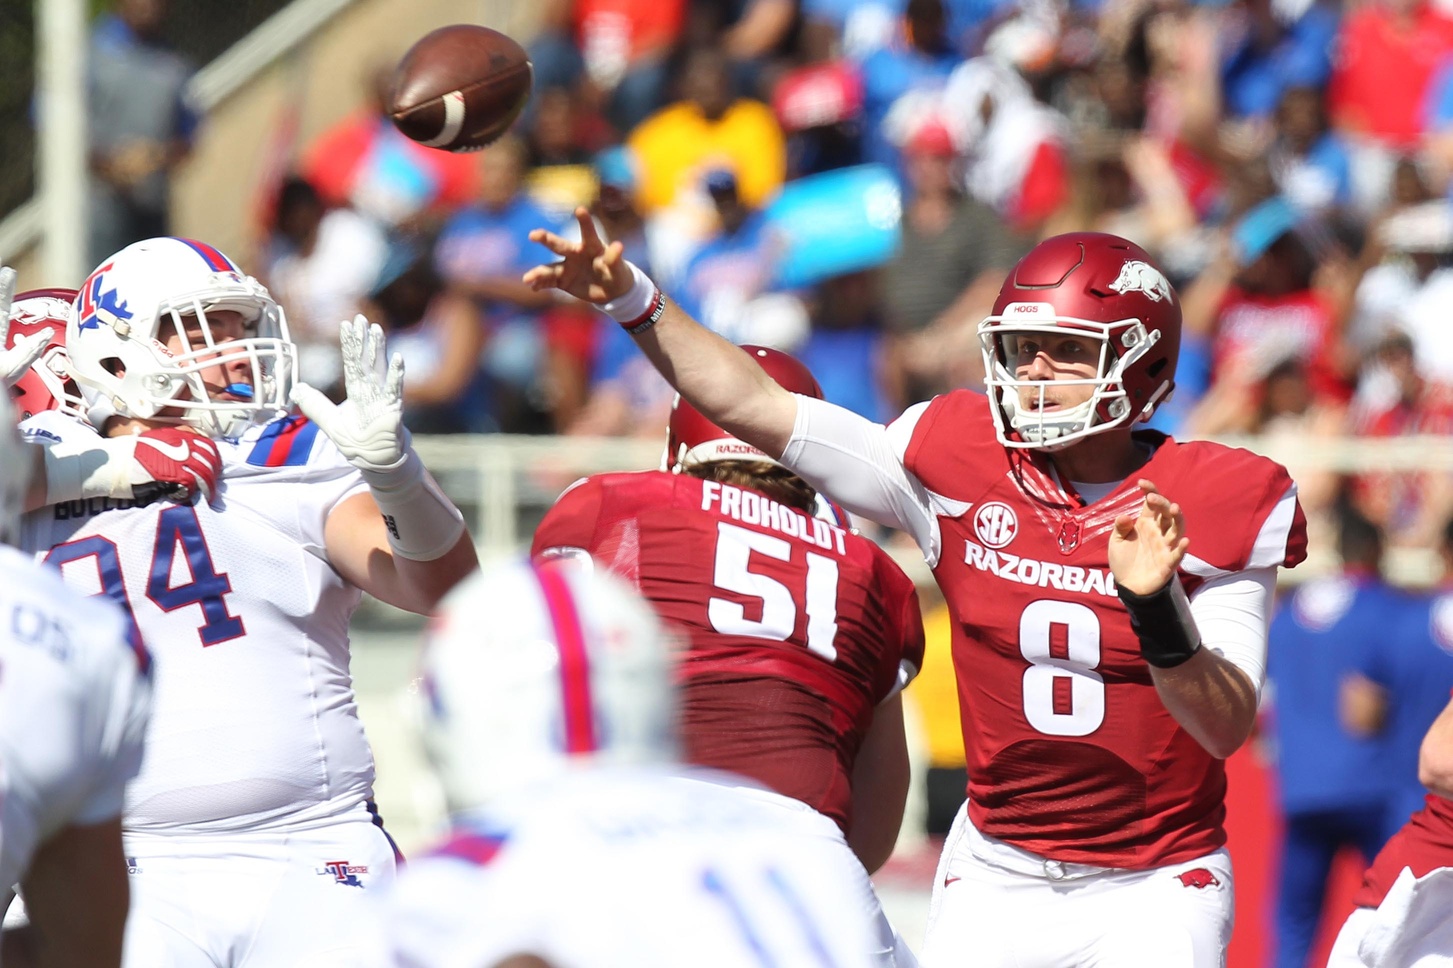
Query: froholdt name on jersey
x=749, y=507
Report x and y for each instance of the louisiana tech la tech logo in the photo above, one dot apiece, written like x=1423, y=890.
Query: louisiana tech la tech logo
x=100, y=304
x=343, y=872
x=1137, y=276
x=995, y=524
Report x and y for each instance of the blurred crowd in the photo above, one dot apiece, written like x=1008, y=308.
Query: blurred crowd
x=849, y=179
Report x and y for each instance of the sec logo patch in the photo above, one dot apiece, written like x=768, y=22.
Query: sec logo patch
x=995, y=524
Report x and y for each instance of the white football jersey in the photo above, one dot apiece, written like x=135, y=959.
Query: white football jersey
x=75, y=689
x=629, y=867
x=254, y=722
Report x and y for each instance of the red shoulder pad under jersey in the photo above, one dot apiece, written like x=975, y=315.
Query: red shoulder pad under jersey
x=953, y=450
x=1241, y=508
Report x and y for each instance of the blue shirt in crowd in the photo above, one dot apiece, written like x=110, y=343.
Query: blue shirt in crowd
x=1328, y=629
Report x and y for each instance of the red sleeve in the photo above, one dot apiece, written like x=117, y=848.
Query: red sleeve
x=571, y=523
x=954, y=446
x=1241, y=509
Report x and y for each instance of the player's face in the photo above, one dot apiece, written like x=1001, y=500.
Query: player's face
x=224, y=381
x=1049, y=358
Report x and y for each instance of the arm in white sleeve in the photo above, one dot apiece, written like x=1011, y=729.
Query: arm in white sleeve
x=1232, y=613
x=859, y=464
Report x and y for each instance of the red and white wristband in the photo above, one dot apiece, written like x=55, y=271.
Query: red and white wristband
x=641, y=307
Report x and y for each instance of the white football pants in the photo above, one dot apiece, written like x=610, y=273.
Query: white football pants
x=255, y=899
x=996, y=906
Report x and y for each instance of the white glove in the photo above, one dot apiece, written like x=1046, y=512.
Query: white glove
x=15, y=361
x=368, y=427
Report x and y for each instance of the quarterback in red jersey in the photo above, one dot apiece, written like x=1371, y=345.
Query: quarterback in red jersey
x=802, y=633
x=1109, y=589
x=1402, y=909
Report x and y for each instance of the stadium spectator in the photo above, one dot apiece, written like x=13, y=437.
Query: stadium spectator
x=943, y=278
x=1268, y=50
x=363, y=161
x=820, y=108
x=1309, y=162
x=480, y=254
x=614, y=51
x=1404, y=253
x=321, y=265
x=140, y=125
x=734, y=265
x=440, y=336
x=846, y=343
x=1409, y=505
x=1403, y=682
x=1330, y=770
x=916, y=63
x=710, y=127
x=1257, y=300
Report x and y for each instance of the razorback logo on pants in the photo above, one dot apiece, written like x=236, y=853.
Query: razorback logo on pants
x=1199, y=878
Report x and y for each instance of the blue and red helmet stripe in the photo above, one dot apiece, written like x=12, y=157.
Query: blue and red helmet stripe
x=215, y=260
x=286, y=442
x=575, y=695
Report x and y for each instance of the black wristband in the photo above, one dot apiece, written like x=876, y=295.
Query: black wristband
x=1162, y=622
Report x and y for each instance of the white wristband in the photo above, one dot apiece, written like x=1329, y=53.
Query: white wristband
x=636, y=302
x=422, y=523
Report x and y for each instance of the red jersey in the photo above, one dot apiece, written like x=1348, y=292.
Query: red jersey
x=798, y=628
x=1424, y=844
x=1071, y=753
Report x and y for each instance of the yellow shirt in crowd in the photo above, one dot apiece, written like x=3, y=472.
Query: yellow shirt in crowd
x=677, y=145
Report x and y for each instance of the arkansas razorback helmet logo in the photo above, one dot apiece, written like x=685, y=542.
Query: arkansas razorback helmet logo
x=1199, y=878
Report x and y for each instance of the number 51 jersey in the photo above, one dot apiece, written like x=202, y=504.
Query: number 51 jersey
x=798, y=627
x=1071, y=753
x=253, y=722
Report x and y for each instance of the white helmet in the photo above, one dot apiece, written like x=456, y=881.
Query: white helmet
x=14, y=473
x=116, y=327
x=532, y=669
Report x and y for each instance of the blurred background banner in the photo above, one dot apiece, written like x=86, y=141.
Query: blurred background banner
x=836, y=222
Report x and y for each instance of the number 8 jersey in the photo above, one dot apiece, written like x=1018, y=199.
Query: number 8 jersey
x=1071, y=753
x=798, y=628
x=254, y=723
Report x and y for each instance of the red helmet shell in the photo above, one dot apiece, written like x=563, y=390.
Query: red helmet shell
x=47, y=385
x=1102, y=279
x=692, y=439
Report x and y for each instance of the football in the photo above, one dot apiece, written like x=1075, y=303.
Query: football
x=460, y=87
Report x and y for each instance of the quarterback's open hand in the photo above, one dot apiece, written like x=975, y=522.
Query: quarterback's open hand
x=15, y=360
x=368, y=427
x=1147, y=548
x=588, y=269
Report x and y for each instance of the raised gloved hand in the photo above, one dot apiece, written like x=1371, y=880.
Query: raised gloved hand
x=367, y=427
x=15, y=360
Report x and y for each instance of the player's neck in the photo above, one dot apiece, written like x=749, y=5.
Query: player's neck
x=121, y=426
x=1100, y=459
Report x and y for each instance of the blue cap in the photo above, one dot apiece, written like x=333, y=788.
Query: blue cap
x=1259, y=228
x=720, y=180
x=616, y=167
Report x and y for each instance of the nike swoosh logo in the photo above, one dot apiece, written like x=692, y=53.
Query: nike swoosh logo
x=178, y=452
x=951, y=880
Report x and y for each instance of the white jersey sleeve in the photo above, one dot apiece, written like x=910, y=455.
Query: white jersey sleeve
x=859, y=464
x=74, y=701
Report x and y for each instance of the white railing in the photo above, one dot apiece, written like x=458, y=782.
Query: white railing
x=505, y=483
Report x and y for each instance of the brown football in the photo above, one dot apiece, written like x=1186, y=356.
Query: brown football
x=460, y=87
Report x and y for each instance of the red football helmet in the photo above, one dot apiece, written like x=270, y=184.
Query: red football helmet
x=692, y=439
x=1092, y=285
x=48, y=384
